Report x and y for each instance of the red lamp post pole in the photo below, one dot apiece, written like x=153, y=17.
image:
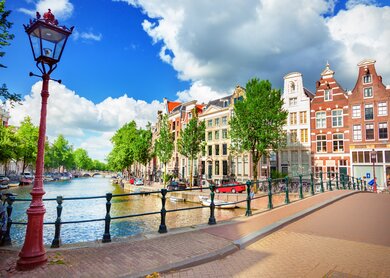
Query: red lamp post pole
x=33, y=252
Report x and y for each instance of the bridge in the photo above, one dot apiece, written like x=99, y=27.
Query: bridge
x=95, y=173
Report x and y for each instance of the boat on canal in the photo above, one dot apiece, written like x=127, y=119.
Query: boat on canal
x=205, y=201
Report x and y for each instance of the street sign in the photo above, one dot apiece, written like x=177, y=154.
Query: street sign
x=368, y=175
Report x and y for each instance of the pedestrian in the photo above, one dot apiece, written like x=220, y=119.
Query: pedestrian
x=3, y=215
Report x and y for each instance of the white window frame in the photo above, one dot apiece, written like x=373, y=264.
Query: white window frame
x=322, y=143
x=368, y=89
x=382, y=109
x=357, y=133
x=373, y=131
x=328, y=95
x=293, y=101
x=339, y=118
x=339, y=142
x=369, y=105
x=321, y=119
x=387, y=131
x=367, y=75
x=356, y=111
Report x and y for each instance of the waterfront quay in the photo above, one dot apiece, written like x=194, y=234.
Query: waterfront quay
x=344, y=237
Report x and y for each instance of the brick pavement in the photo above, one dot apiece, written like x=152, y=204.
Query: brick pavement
x=348, y=239
x=134, y=257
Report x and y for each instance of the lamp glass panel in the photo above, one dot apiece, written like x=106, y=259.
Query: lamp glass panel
x=36, y=46
x=58, y=49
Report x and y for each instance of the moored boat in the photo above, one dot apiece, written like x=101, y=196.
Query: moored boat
x=218, y=203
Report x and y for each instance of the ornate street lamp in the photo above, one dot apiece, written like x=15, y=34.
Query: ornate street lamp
x=47, y=41
x=373, y=160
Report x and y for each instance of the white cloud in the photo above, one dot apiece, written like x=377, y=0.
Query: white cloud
x=83, y=122
x=76, y=35
x=222, y=47
x=62, y=9
x=199, y=92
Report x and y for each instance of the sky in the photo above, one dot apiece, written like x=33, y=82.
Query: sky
x=125, y=56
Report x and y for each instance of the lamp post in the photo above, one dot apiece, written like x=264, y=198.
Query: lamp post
x=373, y=160
x=47, y=41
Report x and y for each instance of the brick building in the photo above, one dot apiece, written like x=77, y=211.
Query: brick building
x=329, y=120
x=369, y=109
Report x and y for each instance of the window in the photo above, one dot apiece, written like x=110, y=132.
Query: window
x=224, y=133
x=189, y=115
x=224, y=121
x=293, y=118
x=173, y=125
x=238, y=99
x=292, y=87
x=217, y=122
x=246, y=166
x=209, y=136
x=337, y=118
x=210, y=123
x=321, y=119
x=382, y=130
x=233, y=167
x=382, y=109
x=239, y=166
x=369, y=131
x=293, y=136
x=216, y=167
x=224, y=167
x=216, y=135
x=210, y=150
x=356, y=112
x=304, y=136
x=369, y=112
x=338, y=142
x=321, y=143
x=327, y=95
x=368, y=92
x=224, y=149
x=367, y=78
x=293, y=101
x=302, y=117
x=357, y=132
x=216, y=149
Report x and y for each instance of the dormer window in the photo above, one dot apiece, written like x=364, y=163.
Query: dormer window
x=327, y=95
x=367, y=79
x=368, y=92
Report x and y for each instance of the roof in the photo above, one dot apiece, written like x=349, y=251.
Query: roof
x=172, y=105
x=219, y=102
x=308, y=93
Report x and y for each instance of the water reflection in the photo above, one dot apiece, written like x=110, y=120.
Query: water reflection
x=96, y=209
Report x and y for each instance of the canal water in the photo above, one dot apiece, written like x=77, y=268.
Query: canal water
x=96, y=208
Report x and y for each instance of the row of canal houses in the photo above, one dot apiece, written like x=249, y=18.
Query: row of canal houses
x=333, y=130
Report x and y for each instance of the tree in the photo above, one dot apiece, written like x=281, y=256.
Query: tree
x=27, y=148
x=143, y=151
x=5, y=37
x=122, y=155
x=81, y=159
x=164, y=145
x=61, y=153
x=191, y=139
x=8, y=145
x=257, y=122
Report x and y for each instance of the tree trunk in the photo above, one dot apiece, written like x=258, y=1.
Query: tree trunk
x=191, y=169
x=24, y=165
x=255, y=161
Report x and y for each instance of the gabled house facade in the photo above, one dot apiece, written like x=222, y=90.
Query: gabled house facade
x=370, y=119
x=329, y=120
x=296, y=157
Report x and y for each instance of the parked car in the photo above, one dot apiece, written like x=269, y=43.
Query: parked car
x=175, y=185
x=228, y=188
x=139, y=182
x=4, y=180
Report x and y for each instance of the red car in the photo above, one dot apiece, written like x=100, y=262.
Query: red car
x=238, y=188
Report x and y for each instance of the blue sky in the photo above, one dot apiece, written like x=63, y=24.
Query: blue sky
x=126, y=55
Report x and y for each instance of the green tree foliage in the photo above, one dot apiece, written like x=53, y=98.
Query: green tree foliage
x=5, y=38
x=60, y=153
x=82, y=160
x=191, y=140
x=164, y=145
x=27, y=136
x=257, y=122
x=143, y=149
x=8, y=144
x=122, y=155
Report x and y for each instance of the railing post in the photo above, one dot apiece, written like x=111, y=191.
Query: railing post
x=353, y=183
x=329, y=182
x=270, y=205
x=107, y=236
x=300, y=187
x=357, y=184
x=6, y=240
x=321, y=183
x=287, y=199
x=343, y=181
x=57, y=241
x=349, y=182
x=337, y=181
x=212, y=206
x=248, y=199
x=365, y=185
x=163, y=228
x=312, y=184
